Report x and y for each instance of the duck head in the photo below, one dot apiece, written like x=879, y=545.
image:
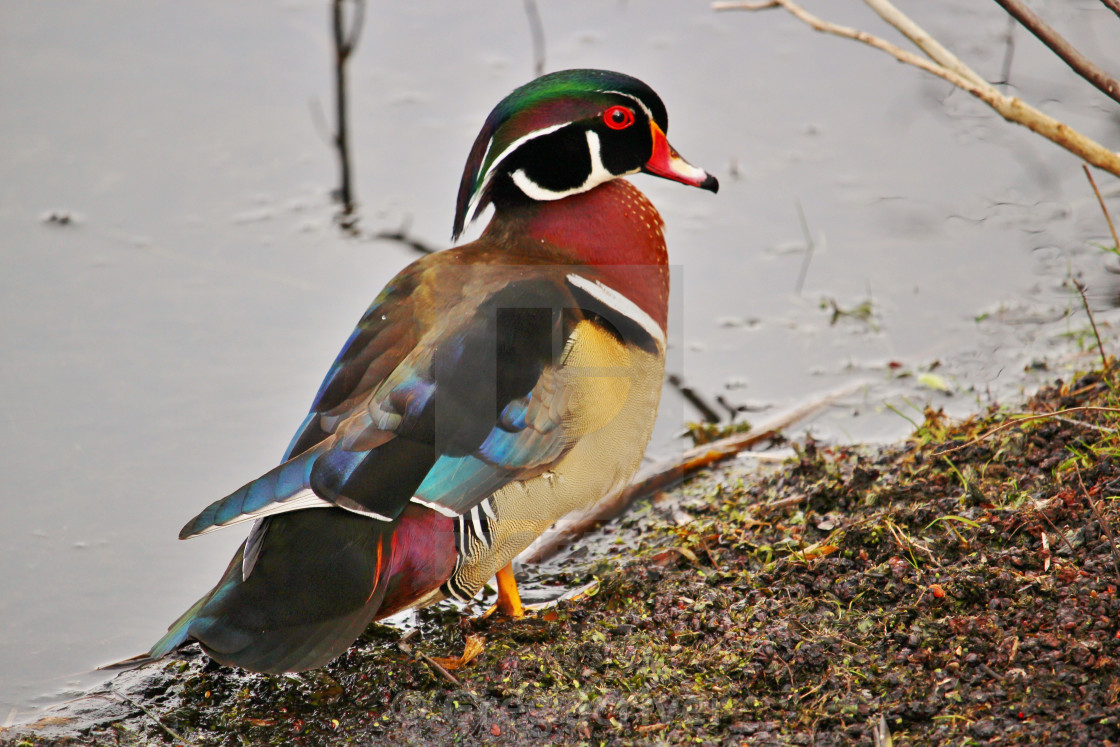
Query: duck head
x=566, y=133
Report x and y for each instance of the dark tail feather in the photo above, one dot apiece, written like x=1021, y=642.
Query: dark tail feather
x=317, y=584
x=131, y=662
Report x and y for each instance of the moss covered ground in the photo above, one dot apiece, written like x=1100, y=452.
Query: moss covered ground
x=959, y=588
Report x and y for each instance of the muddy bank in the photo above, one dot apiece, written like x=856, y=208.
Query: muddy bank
x=958, y=588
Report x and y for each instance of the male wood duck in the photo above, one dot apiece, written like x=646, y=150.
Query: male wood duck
x=488, y=391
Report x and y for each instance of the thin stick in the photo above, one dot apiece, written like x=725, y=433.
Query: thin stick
x=1081, y=64
x=159, y=722
x=439, y=668
x=402, y=236
x=1057, y=531
x=694, y=399
x=1085, y=302
x=1107, y=217
x=922, y=39
x=1011, y=108
x=344, y=45
x=1083, y=424
x=406, y=648
x=664, y=475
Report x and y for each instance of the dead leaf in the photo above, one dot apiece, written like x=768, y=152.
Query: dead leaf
x=472, y=648
x=689, y=554
x=51, y=721
x=819, y=551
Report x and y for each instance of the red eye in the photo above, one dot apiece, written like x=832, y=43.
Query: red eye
x=618, y=117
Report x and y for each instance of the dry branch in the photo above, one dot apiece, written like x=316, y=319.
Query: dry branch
x=1081, y=64
x=345, y=41
x=945, y=65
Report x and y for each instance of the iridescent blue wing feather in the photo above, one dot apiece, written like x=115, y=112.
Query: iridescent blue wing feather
x=472, y=405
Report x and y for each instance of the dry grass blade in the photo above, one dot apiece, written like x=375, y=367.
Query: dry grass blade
x=1100, y=201
x=1085, y=302
x=1018, y=420
x=882, y=733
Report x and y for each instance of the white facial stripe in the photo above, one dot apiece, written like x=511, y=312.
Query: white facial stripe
x=636, y=100
x=598, y=175
x=524, y=183
x=620, y=303
x=490, y=171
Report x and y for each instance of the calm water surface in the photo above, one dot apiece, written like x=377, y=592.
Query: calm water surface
x=159, y=350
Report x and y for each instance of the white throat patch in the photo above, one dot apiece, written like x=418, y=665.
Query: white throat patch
x=598, y=175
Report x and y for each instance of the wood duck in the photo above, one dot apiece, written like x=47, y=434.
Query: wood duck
x=488, y=391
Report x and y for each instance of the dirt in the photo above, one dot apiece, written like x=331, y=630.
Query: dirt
x=958, y=588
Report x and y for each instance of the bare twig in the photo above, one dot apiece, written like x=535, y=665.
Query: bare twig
x=1085, y=302
x=732, y=410
x=439, y=668
x=345, y=41
x=924, y=41
x=1104, y=525
x=706, y=411
x=1011, y=108
x=402, y=236
x=536, y=31
x=406, y=648
x=1046, y=34
x=664, y=475
x=1107, y=217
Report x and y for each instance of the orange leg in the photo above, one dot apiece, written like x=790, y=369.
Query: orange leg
x=509, y=600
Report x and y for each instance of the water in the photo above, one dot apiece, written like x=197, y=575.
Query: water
x=159, y=349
